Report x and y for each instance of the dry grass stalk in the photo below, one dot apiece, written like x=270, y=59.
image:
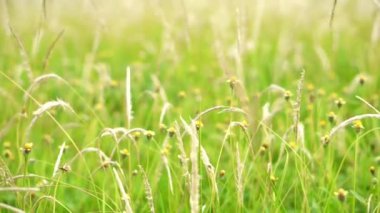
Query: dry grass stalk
x=148, y=190
x=297, y=105
x=210, y=169
x=37, y=81
x=44, y=108
x=239, y=177
x=50, y=50
x=350, y=120
x=128, y=97
x=195, y=178
x=19, y=189
x=165, y=160
x=58, y=161
x=183, y=158
x=10, y=208
x=216, y=108
x=165, y=108
x=124, y=195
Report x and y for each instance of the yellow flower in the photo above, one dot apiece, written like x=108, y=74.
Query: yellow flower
x=357, y=125
x=325, y=139
x=222, y=173
x=27, y=148
x=182, y=94
x=136, y=135
x=149, y=134
x=171, y=131
x=287, y=95
x=341, y=194
x=340, y=102
x=198, y=124
x=124, y=152
x=332, y=117
x=232, y=82
x=293, y=145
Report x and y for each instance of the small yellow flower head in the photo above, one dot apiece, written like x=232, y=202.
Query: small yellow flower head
x=332, y=117
x=27, y=148
x=163, y=127
x=124, y=153
x=322, y=123
x=149, y=134
x=99, y=107
x=181, y=94
x=372, y=169
x=136, y=135
x=293, y=145
x=287, y=95
x=273, y=178
x=325, y=140
x=232, y=82
x=321, y=92
x=114, y=83
x=341, y=194
x=165, y=151
x=198, y=124
x=245, y=124
x=340, y=102
x=7, y=145
x=222, y=173
x=171, y=131
x=310, y=87
x=357, y=125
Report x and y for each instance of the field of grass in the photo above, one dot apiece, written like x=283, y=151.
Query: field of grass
x=189, y=106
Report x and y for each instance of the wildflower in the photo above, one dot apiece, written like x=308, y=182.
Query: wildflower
x=245, y=124
x=124, y=153
x=163, y=127
x=325, y=140
x=136, y=135
x=321, y=92
x=340, y=102
x=182, y=94
x=198, y=124
x=322, y=123
x=372, y=169
x=149, y=134
x=114, y=83
x=273, y=178
x=287, y=95
x=358, y=125
x=232, y=82
x=332, y=117
x=7, y=145
x=222, y=173
x=341, y=194
x=310, y=87
x=171, y=131
x=27, y=148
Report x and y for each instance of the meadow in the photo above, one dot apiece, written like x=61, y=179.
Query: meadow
x=189, y=106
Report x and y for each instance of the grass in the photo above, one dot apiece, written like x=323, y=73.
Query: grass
x=190, y=106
